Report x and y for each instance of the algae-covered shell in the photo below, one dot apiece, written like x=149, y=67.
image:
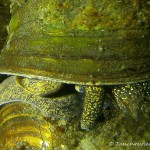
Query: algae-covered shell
x=83, y=42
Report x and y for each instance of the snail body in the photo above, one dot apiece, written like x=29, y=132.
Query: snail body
x=80, y=43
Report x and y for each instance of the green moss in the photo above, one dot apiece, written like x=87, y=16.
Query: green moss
x=4, y=20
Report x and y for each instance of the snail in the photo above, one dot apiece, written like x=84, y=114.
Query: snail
x=88, y=44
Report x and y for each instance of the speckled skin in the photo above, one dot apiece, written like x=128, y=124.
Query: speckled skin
x=39, y=87
x=132, y=92
x=61, y=106
x=92, y=106
x=67, y=106
x=95, y=96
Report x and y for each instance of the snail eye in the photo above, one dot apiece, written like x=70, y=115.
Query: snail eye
x=80, y=88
